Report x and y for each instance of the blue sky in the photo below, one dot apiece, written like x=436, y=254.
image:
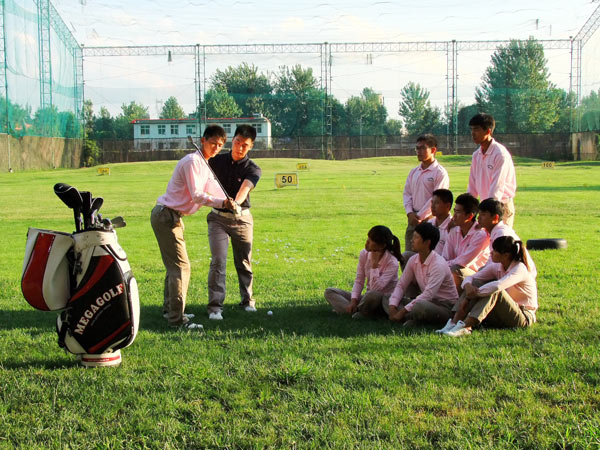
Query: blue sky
x=152, y=22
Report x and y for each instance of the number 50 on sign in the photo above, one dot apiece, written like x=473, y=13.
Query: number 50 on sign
x=286, y=179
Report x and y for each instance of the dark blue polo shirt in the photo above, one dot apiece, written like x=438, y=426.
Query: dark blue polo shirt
x=232, y=174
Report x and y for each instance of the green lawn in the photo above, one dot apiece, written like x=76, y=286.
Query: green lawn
x=304, y=377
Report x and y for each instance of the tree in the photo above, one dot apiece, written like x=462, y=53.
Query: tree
x=416, y=110
x=297, y=103
x=516, y=90
x=250, y=89
x=131, y=112
x=366, y=114
x=172, y=110
x=218, y=104
x=393, y=127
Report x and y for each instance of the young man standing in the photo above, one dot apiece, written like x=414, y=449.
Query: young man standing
x=191, y=186
x=441, y=204
x=420, y=184
x=466, y=249
x=239, y=175
x=431, y=273
x=492, y=170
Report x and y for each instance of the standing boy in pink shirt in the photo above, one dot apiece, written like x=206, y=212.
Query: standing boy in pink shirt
x=420, y=184
x=191, y=186
x=492, y=170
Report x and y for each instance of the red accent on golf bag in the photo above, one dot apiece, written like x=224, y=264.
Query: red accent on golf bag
x=103, y=312
x=45, y=280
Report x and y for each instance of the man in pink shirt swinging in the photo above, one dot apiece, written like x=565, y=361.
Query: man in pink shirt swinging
x=191, y=186
x=431, y=273
x=420, y=184
x=492, y=172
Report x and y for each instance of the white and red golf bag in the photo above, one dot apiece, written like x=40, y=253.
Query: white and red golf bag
x=85, y=276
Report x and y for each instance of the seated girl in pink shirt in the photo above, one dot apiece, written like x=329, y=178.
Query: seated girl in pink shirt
x=503, y=293
x=378, y=264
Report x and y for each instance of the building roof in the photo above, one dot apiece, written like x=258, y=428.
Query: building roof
x=256, y=118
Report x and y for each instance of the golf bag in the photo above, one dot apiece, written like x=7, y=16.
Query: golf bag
x=85, y=276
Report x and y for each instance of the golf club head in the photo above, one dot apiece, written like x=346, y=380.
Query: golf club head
x=69, y=195
x=118, y=222
x=191, y=141
x=96, y=205
x=107, y=224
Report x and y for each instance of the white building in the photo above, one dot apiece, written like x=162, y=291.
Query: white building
x=164, y=134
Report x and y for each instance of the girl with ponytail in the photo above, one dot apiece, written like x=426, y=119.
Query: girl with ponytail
x=378, y=264
x=503, y=293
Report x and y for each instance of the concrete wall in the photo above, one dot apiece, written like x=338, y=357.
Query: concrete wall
x=34, y=153
x=584, y=146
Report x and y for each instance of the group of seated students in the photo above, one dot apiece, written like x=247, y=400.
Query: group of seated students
x=463, y=270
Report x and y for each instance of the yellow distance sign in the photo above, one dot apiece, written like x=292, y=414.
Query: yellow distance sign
x=103, y=170
x=302, y=166
x=286, y=179
x=548, y=165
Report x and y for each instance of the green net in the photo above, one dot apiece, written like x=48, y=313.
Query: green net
x=41, y=72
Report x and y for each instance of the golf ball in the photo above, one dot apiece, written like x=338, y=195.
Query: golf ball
x=269, y=313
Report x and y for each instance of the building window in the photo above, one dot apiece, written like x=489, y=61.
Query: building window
x=174, y=129
x=258, y=127
x=144, y=129
x=190, y=130
x=227, y=128
x=162, y=129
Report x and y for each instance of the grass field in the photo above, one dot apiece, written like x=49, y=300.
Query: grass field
x=304, y=377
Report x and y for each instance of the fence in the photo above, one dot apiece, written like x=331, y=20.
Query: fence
x=556, y=147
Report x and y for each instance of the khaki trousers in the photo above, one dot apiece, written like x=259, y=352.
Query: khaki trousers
x=168, y=229
x=368, y=304
x=500, y=310
x=509, y=213
x=222, y=229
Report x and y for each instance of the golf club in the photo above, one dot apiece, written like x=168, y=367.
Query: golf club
x=86, y=209
x=96, y=205
x=72, y=198
x=238, y=208
x=118, y=222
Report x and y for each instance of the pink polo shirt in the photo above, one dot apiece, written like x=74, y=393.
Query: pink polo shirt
x=492, y=174
x=382, y=279
x=471, y=251
x=501, y=229
x=191, y=186
x=433, y=277
x=419, y=188
x=443, y=227
x=517, y=281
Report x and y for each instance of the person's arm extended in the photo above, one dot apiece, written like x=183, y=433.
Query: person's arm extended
x=243, y=192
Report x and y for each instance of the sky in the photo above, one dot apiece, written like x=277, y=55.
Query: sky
x=152, y=22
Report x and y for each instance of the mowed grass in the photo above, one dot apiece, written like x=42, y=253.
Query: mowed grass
x=304, y=377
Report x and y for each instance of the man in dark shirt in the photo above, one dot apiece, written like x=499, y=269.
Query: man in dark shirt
x=238, y=175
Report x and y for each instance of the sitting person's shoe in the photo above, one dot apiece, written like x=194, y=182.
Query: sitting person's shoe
x=449, y=325
x=358, y=315
x=192, y=326
x=215, y=316
x=249, y=308
x=189, y=316
x=458, y=330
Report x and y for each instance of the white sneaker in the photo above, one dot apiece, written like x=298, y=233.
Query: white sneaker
x=193, y=326
x=449, y=325
x=215, y=316
x=458, y=330
x=249, y=308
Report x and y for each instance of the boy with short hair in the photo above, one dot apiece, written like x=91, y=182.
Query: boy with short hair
x=466, y=249
x=431, y=273
x=441, y=204
x=420, y=184
x=492, y=170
